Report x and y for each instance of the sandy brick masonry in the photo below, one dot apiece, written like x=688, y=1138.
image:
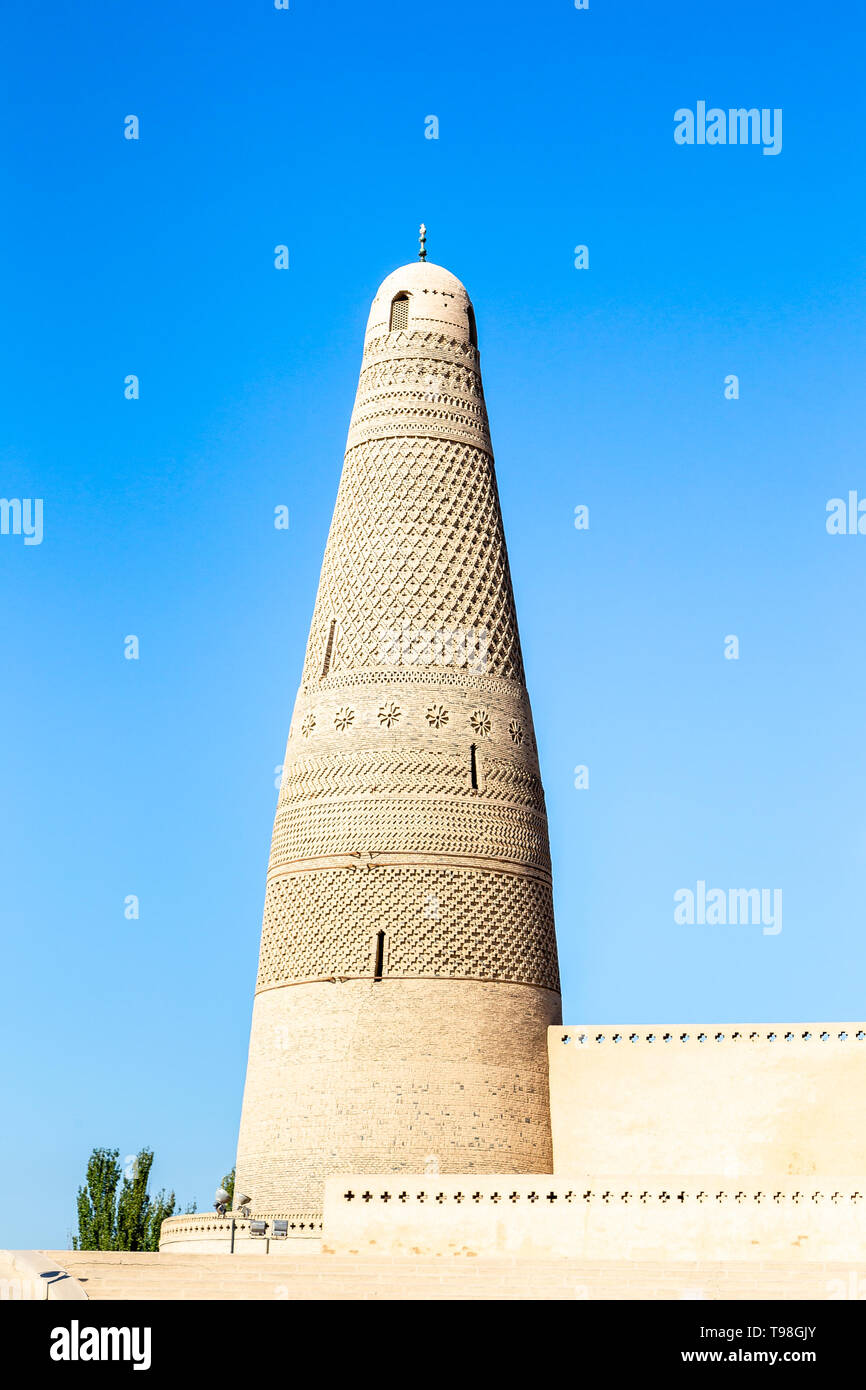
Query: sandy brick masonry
x=408, y=969
x=396, y=1068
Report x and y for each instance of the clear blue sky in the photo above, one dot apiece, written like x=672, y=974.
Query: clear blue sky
x=605, y=387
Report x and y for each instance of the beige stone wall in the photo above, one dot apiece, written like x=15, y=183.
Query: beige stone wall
x=740, y=1100
x=392, y=1076
x=631, y=1218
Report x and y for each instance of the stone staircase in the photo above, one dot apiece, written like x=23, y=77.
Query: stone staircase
x=117, y=1275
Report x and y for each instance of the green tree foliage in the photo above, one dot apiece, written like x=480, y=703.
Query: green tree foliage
x=126, y=1220
x=228, y=1183
x=96, y=1202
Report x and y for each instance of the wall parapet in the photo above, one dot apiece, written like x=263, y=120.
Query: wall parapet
x=609, y=1191
x=290, y=1232
x=745, y=1100
x=597, y=1218
x=695, y=1033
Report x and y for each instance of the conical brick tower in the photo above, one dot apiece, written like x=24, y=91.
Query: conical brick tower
x=408, y=969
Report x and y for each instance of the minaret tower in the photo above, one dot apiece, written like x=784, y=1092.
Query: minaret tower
x=408, y=969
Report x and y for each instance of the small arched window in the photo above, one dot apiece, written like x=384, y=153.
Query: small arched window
x=473, y=332
x=399, y=312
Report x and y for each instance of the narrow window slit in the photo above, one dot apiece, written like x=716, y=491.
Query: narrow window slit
x=473, y=768
x=329, y=648
x=380, y=956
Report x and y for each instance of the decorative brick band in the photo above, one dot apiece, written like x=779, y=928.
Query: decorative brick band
x=390, y=675
x=396, y=347
x=467, y=979
x=513, y=838
x=409, y=422
x=433, y=922
x=421, y=773
x=411, y=859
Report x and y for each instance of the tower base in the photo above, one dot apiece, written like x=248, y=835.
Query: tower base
x=394, y=1075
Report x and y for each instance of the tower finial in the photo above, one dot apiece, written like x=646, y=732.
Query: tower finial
x=422, y=254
